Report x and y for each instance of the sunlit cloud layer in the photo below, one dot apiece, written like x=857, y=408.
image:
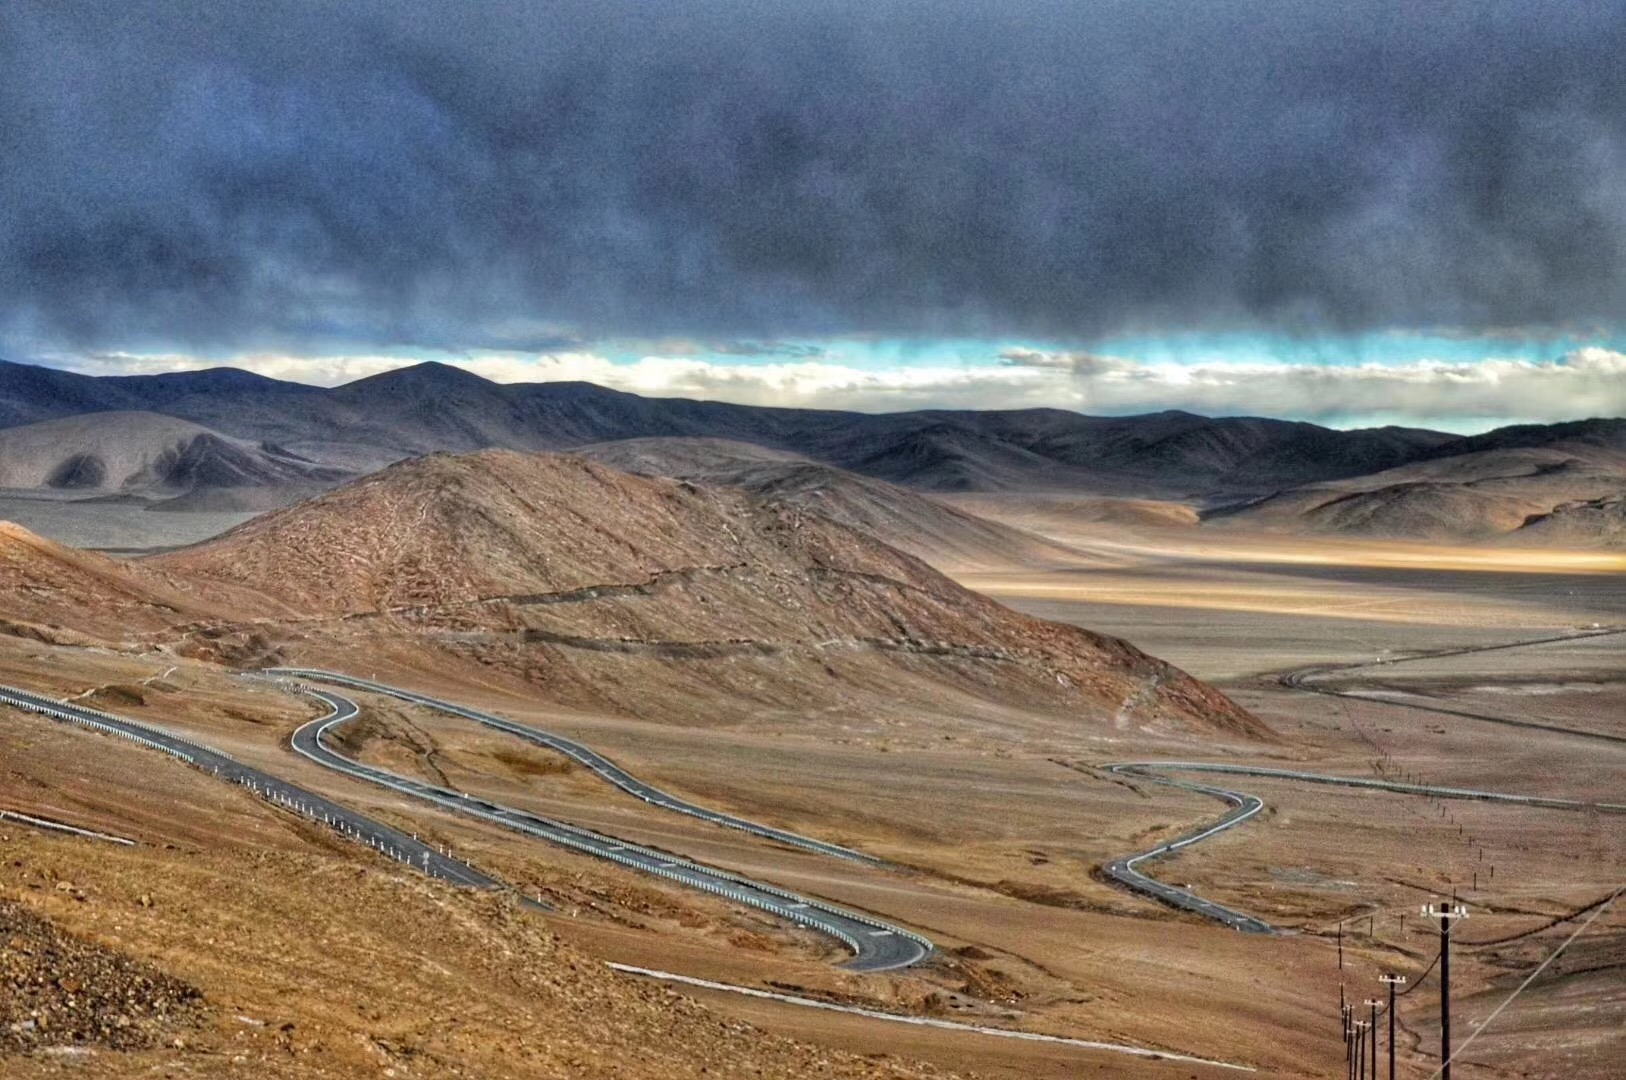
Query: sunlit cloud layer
x=1460, y=394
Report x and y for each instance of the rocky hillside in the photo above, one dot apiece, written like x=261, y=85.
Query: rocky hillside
x=644, y=591
x=1592, y=523
x=903, y=518
x=1486, y=493
x=59, y=990
x=46, y=588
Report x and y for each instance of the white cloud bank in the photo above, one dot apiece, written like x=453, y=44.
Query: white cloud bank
x=1586, y=382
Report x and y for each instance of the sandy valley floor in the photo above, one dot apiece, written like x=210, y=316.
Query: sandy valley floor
x=998, y=818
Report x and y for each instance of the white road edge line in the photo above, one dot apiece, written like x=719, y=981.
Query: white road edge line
x=926, y=1021
x=62, y=826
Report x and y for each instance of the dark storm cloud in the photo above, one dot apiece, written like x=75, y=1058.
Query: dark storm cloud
x=447, y=174
x=790, y=350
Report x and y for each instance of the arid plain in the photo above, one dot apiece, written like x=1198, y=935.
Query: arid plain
x=993, y=816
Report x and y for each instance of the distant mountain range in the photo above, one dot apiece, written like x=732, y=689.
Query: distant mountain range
x=1244, y=470
x=172, y=463
x=1516, y=482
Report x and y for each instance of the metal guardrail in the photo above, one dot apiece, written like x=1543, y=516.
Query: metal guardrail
x=381, y=838
x=591, y=759
x=801, y=910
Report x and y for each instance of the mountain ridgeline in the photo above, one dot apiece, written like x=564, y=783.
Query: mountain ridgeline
x=1251, y=471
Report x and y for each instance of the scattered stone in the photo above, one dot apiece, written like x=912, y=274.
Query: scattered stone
x=60, y=992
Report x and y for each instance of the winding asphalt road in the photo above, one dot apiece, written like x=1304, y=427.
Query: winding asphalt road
x=364, y=830
x=1123, y=870
x=876, y=945
x=593, y=760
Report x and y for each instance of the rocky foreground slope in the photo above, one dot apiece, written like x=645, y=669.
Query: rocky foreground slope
x=189, y=960
x=646, y=593
x=60, y=990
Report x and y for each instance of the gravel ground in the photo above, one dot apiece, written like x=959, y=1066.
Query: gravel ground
x=58, y=990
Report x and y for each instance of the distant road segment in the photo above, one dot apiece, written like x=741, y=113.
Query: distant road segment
x=1305, y=679
x=1244, y=806
x=876, y=945
x=929, y=1021
x=1124, y=870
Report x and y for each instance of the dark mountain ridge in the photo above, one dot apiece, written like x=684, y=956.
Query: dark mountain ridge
x=432, y=406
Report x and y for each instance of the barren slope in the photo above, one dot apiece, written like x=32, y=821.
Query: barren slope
x=143, y=453
x=1589, y=523
x=918, y=524
x=1058, y=516
x=1471, y=496
x=45, y=587
x=623, y=589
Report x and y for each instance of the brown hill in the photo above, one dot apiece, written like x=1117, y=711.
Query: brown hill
x=921, y=525
x=46, y=588
x=50, y=592
x=1593, y=523
x=661, y=596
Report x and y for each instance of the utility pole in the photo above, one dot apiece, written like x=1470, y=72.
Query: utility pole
x=1373, y=1004
x=1343, y=1012
x=1360, y=1049
x=1349, y=1040
x=1445, y=913
x=1393, y=981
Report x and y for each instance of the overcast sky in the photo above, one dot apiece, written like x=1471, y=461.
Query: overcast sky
x=1353, y=212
